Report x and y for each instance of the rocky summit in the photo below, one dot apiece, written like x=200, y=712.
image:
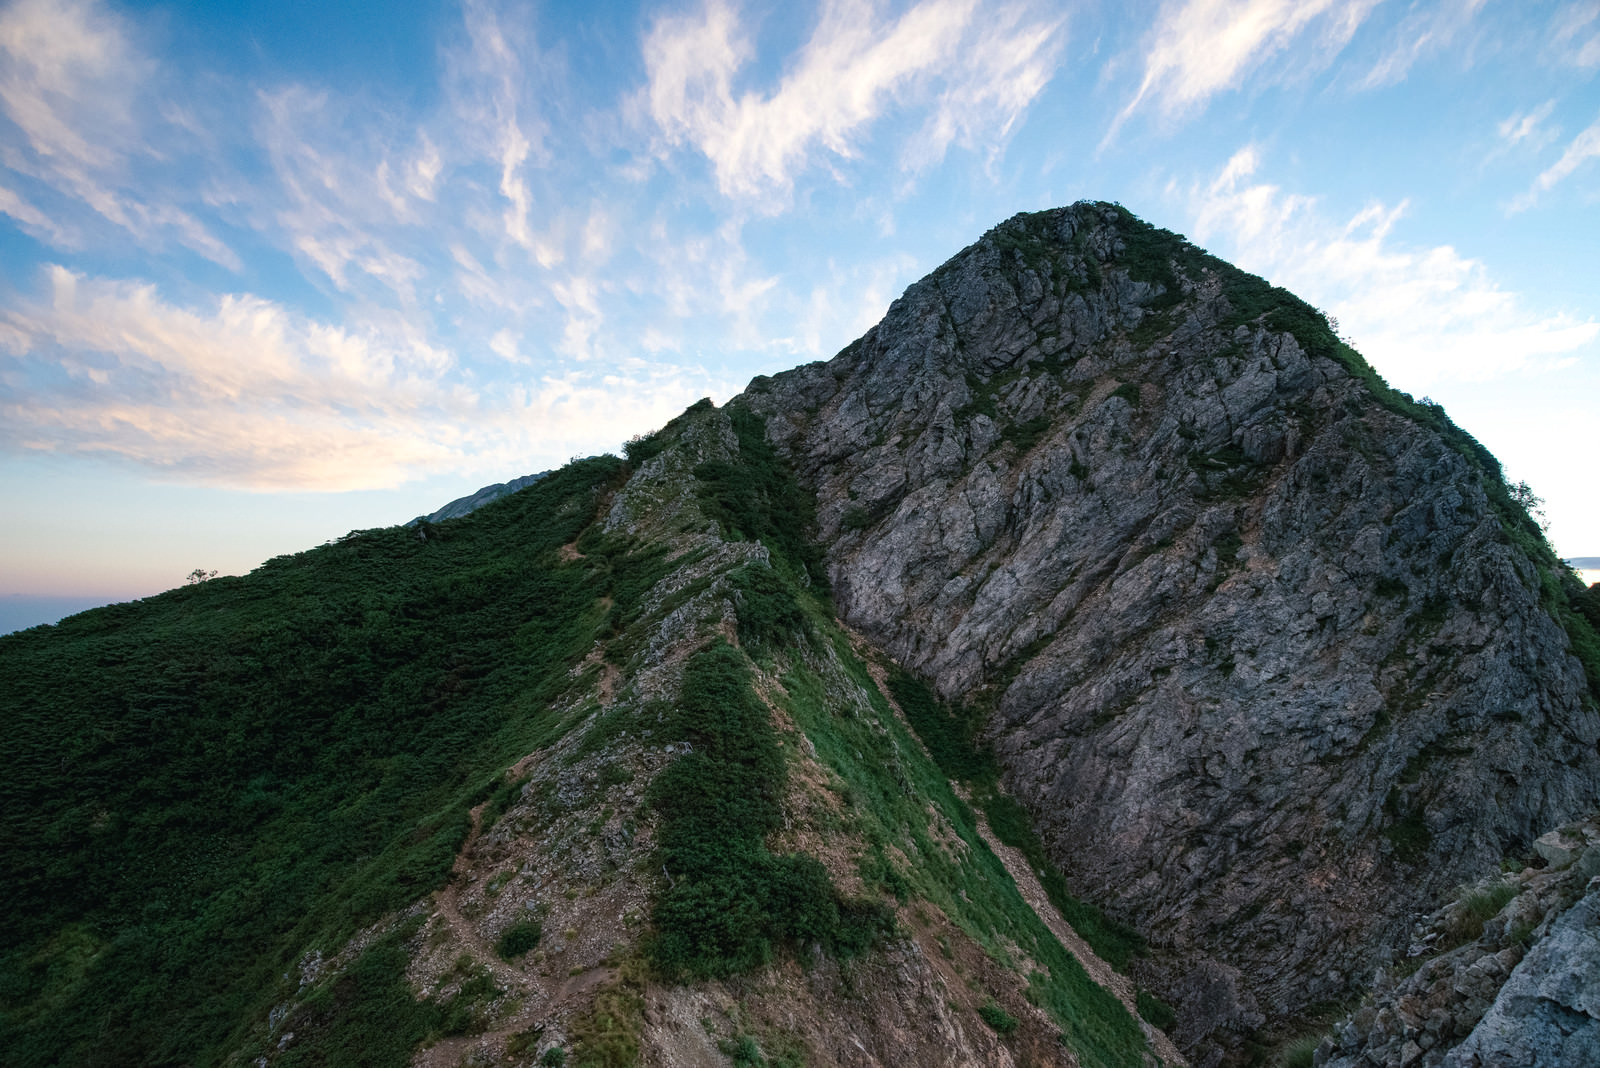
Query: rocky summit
x=1094, y=664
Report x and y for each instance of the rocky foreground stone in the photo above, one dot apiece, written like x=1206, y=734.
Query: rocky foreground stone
x=1524, y=989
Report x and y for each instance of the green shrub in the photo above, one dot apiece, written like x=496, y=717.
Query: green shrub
x=1301, y=1053
x=769, y=612
x=730, y=902
x=1129, y=392
x=640, y=449
x=1475, y=909
x=756, y=497
x=1154, y=1011
x=855, y=518
x=1391, y=587
x=1026, y=434
x=953, y=738
x=224, y=776
x=554, y=1057
x=744, y=1051
x=1002, y=1021
x=519, y=938
x=1409, y=835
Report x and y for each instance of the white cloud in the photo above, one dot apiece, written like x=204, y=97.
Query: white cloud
x=33, y=220
x=73, y=84
x=248, y=394
x=1423, y=32
x=504, y=345
x=1526, y=129
x=977, y=72
x=342, y=200
x=1199, y=48
x=1582, y=149
x=493, y=79
x=1421, y=315
x=1575, y=34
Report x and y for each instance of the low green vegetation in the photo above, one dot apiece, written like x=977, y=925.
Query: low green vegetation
x=198, y=788
x=730, y=903
x=521, y=937
x=896, y=800
x=999, y=1019
x=1407, y=827
x=1129, y=392
x=1154, y=1011
x=952, y=735
x=606, y=1035
x=757, y=498
x=367, y=1017
x=1026, y=434
x=1477, y=907
x=1301, y=1053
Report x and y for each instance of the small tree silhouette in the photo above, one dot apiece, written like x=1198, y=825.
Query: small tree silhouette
x=199, y=575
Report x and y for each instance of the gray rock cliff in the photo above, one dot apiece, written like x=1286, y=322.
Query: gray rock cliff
x=1265, y=651
x=1507, y=974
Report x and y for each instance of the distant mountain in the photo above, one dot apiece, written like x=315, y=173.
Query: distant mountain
x=473, y=501
x=1585, y=563
x=1096, y=662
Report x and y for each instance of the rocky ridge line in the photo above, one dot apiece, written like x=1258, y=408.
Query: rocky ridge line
x=1270, y=655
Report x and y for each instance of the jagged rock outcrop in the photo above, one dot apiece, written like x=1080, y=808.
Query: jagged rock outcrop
x=1506, y=975
x=1268, y=656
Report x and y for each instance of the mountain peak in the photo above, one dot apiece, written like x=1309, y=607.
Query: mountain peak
x=1095, y=660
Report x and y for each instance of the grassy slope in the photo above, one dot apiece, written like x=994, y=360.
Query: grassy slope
x=888, y=779
x=199, y=787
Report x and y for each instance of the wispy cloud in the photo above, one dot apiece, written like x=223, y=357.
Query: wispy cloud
x=492, y=81
x=1421, y=315
x=1199, y=48
x=1526, y=130
x=975, y=72
x=246, y=393
x=1575, y=34
x=1425, y=31
x=72, y=84
x=1581, y=149
x=344, y=187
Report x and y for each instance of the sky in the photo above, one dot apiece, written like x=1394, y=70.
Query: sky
x=273, y=271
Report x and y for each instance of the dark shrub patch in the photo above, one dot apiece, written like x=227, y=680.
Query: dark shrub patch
x=519, y=938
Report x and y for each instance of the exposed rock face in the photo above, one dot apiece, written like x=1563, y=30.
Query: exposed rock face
x=1524, y=989
x=1264, y=663
x=1548, y=1013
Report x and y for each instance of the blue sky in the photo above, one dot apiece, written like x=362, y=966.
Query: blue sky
x=272, y=271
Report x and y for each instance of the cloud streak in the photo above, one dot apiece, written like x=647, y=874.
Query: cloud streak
x=1200, y=48
x=1423, y=316
x=973, y=72
x=1579, y=151
x=248, y=394
x=73, y=84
